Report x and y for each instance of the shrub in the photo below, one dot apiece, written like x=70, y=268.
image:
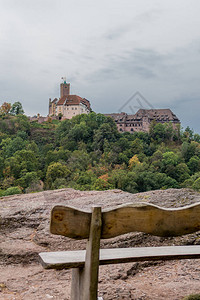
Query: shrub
x=59, y=183
x=196, y=184
x=1, y=193
x=192, y=297
x=56, y=170
x=12, y=191
x=101, y=185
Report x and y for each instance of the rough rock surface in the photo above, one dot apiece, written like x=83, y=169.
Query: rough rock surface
x=24, y=232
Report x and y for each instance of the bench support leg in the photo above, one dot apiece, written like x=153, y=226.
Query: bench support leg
x=77, y=284
x=85, y=280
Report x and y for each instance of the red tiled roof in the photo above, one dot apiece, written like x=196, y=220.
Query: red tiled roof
x=73, y=100
x=158, y=114
x=161, y=115
x=54, y=100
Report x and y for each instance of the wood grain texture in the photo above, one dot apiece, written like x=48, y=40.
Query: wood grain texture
x=141, y=217
x=70, y=222
x=91, y=268
x=151, y=219
x=77, y=283
x=75, y=259
x=85, y=280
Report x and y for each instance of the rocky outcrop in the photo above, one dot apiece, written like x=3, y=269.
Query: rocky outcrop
x=24, y=228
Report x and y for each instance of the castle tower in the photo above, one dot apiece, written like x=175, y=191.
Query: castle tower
x=64, y=88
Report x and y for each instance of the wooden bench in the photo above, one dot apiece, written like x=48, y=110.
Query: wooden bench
x=142, y=217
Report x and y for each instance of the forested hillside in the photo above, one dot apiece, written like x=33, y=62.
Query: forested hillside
x=88, y=153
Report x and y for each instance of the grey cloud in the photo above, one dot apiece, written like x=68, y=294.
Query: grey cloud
x=138, y=22
x=117, y=32
x=139, y=62
x=187, y=109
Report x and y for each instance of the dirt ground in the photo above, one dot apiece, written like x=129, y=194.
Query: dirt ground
x=24, y=232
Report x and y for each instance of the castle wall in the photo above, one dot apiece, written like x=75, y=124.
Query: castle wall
x=69, y=111
x=141, y=121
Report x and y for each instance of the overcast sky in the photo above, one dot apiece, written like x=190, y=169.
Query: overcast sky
x=108, y=50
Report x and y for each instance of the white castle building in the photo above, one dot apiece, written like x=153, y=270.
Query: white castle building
x=68, y=106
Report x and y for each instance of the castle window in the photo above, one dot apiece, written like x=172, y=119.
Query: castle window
x=131, y=129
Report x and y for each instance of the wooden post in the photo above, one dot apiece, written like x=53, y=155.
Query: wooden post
x=85, y=280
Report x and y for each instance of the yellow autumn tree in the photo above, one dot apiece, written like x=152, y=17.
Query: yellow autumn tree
x=5, y=108
x=133, y=161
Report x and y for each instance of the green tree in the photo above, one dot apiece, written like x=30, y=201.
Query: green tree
x=21, y=162
x=86, y=178
x=197, y=137
x=78, y=161
x=157, y=132
x=194, y=164
x=56, y=170
x=123, y=143
x=79, y=132
x=57, y=156
x=136, y=146
x=106, y=132
x=121, y=179
x=101, y=185
x=1, y=165
x=147, y=181
x=17, y=109
x=189, y=182
x=27, y=179
x=13, y=145
x=196, y=184
x=59, y=183
x=188, y=133
x=22, y=123
x=182, y=172
x=170, y=158
x=188, y=150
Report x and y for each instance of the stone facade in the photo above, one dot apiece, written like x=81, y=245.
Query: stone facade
x=142, y=119
x=68, y=106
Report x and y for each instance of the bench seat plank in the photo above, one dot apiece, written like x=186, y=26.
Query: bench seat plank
x=76, y=259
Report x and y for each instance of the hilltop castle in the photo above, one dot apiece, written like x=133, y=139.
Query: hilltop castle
x=68, y=106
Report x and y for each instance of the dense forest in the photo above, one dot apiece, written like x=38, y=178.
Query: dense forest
x=88, y=153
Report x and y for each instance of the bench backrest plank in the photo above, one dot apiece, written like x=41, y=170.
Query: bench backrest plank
x=142, y=217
